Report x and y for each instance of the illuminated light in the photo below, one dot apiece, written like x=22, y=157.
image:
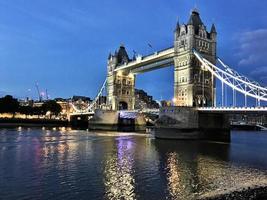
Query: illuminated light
x=131, y=75
x=43, y=128
x=119, y=73
x=19, y=128
x=54, y=129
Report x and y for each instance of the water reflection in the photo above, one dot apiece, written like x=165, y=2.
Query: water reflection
x=65, y=164
x=175, y=180
x=217, y=176
x=119, y=180
x=192, y=173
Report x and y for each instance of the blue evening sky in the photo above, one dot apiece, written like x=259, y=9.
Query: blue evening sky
x=64, y=44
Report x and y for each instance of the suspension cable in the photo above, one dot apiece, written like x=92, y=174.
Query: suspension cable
x=240, y=77
x=89, y=108
x=225, y=77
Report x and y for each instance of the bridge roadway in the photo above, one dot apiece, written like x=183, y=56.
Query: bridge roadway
x=228, y=110
x=233, y=110
x=160, y=59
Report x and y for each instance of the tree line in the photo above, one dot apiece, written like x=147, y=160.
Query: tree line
x=11, y=105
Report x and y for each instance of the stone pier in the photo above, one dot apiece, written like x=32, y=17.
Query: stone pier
x=110, y=120
x=187, y=123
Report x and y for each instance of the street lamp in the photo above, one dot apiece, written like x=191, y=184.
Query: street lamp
x=174, y=101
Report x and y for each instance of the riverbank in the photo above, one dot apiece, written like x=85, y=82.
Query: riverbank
x=252, y=193
x=14, y=122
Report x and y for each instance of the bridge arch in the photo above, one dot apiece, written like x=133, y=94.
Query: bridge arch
x=123, y=105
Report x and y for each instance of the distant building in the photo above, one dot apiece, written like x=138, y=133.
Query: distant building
x=27, y=102
x=62, y=99
x=165, y=103
x=143, y=100
x=250, y=118
x=81, y=98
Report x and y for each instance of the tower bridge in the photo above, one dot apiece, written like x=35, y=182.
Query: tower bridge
x=192, y=85
x=194, y=59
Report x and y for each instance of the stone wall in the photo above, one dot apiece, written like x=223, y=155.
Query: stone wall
x=178, y=117
x=189, y=123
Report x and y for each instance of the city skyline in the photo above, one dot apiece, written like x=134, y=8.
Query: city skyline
x=64, y=47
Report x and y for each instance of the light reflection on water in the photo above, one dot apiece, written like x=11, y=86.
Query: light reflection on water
x=47, y=164
x=205, y=176
x=119, y=180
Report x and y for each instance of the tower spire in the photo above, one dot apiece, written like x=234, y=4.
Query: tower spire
x=213, y=29
x=177, y=25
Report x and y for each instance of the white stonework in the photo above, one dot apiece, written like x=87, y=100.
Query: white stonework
x=189, y=81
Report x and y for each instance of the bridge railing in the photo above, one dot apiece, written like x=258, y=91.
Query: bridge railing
x=228, y=108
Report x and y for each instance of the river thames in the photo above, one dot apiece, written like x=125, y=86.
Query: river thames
x=72, y=164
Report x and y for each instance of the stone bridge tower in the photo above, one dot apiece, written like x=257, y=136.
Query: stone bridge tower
x=193, y=86
x=120, y=84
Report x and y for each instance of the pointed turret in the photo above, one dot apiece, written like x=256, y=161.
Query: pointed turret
x=134, y=57
x=122, y=55
x=195, y=20
x=213, y=29
x=213, y=32
x=177, y=28
x=109, y=56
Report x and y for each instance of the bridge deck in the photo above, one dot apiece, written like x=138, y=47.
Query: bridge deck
x=151, y=62
x=233, y=109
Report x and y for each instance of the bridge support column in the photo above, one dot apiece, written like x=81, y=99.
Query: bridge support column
x=120, y=84
x=193, y=84
x=187, y=123
x=120, y=91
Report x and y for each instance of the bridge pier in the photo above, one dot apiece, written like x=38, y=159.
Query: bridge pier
x=187, y=123
x=111, y=120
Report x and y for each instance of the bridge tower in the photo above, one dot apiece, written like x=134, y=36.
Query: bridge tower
x=193, y=86
x=120, y=84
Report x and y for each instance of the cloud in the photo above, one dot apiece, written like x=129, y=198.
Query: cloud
x=260, y=73
x=253, y=48
x=252, y=54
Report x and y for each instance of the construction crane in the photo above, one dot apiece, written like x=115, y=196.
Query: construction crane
x=38, y=91
x=46, y=94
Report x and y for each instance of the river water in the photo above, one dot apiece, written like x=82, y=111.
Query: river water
x=70, y=164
